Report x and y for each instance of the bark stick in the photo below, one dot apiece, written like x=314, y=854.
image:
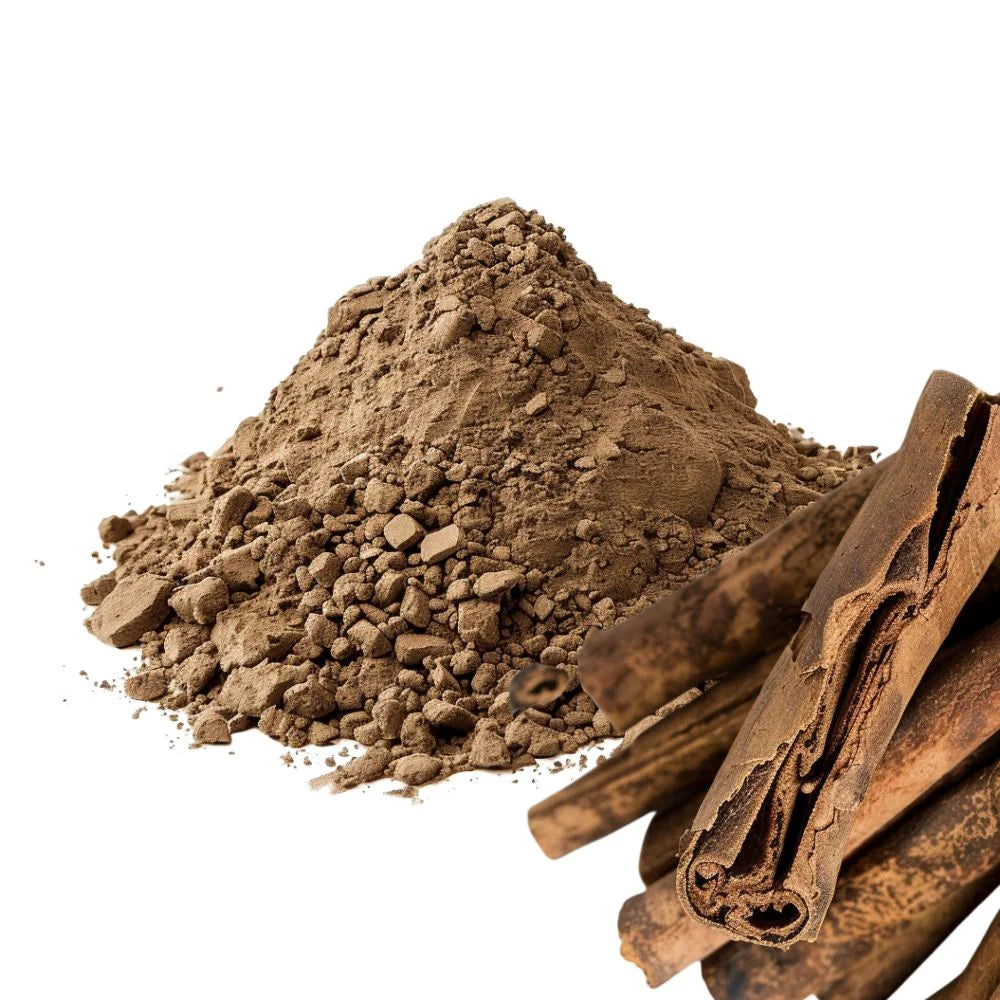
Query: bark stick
x=730, y=615
x=981, y=978
x=950, y=845
x=662, y=768
x=762, y=858
x=955, y=713
x=658, y=854
x=878, y=974
x=667, y=768
x=660, y=845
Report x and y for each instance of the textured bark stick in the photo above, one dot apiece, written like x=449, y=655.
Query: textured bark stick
x=762, y=858
x=658, y=854
x=954, y=713
x=662, y=768
x=668, y=767
x=981, y=978
x=953, y=716
x=878, y=975
x=885, y=896
x=746, y=606
x=660, y=845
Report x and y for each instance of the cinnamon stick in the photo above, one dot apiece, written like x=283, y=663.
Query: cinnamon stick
x=742, y=608
x=877, y=974
x=662, y=768
x=660, y=845
x=762, y=858
x=955, y=713
x=668, y=768
x=658, y=854
x=981, y=978
x=950, y=845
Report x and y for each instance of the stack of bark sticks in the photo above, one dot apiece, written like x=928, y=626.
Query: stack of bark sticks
x=825, y=782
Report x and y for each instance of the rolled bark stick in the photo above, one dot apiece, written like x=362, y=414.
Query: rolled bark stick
x=660, y=845
x=762, y=858
x=658, y=854
x=666, y=767
x=877, y=975
x=981, y=978
x=662, y=768
x=747, y=605
x=949, y=845
x=955, y=712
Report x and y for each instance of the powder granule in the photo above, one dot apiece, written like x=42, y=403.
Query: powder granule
x=479, y=459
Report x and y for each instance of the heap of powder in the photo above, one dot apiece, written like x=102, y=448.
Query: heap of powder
x=480, y=459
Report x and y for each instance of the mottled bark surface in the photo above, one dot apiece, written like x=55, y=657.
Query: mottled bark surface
x=878, y=974
x=766, y=846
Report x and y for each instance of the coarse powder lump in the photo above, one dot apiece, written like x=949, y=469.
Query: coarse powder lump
x=479, y=459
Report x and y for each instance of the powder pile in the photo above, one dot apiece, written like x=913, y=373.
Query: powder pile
x=480, y=459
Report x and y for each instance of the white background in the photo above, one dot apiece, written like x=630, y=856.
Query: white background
x=810, y=190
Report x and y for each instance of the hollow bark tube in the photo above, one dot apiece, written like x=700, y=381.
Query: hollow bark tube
x=669, y=767
x=660, y=845
x=980, y=979
x=950, y=845
x=954, y=715
x=662, y=768
x=730, y=615
x=762, y=858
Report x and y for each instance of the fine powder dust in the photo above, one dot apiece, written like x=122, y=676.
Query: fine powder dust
x=480, y=459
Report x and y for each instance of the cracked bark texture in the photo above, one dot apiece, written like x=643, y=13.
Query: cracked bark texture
x=762, y=859
x=894, y=903
x=724, y=618
x=948, y=729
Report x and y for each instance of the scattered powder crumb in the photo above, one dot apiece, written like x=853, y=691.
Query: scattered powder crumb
x=406, y=792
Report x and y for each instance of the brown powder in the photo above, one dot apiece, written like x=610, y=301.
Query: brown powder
x=479, y=459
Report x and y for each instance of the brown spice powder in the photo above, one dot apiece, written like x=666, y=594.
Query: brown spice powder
x=480, y=459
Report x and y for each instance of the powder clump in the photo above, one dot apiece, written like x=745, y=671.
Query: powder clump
x=479, y=459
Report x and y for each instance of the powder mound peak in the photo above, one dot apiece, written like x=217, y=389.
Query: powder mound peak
x=479, y=459
x=502, y=341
